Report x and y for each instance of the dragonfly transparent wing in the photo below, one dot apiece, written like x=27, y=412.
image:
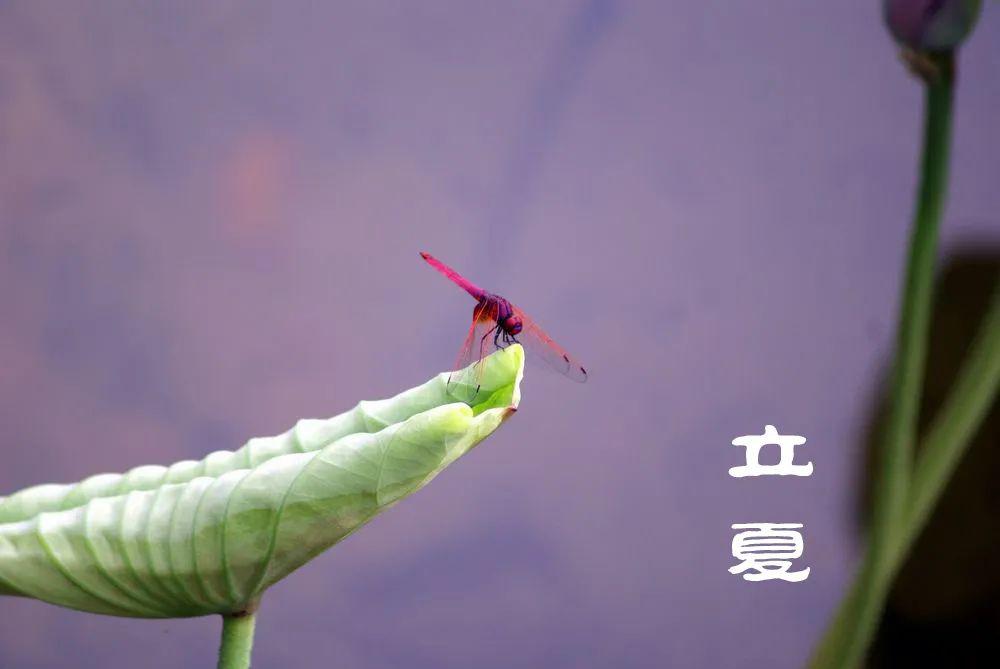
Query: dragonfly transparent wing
x=478, y=344
x=539, y=344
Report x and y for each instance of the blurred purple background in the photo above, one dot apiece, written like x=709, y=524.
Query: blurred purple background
x=209, y=222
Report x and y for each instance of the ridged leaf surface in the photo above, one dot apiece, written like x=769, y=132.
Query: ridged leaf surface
x=209, y=536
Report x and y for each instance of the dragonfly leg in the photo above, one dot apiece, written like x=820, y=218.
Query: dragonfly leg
x=482, y=342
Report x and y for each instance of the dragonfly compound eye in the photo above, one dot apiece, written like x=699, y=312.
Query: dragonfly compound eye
x=513, y=325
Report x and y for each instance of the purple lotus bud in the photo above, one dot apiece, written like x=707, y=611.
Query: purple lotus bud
x=931, y=25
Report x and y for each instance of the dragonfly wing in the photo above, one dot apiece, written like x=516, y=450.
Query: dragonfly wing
x=477, y=345
x=538, y=343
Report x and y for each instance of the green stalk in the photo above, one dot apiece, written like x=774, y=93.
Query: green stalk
x=848, y=638
x=237, y=639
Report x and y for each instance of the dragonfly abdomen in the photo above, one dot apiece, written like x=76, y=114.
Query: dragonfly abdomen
x=469, y=287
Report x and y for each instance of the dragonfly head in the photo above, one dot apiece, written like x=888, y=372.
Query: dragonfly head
x=512, y=324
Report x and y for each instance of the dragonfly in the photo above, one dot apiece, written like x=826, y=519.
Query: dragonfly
x=498, y=323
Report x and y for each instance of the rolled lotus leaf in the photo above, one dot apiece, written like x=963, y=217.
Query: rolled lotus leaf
x=210, y=536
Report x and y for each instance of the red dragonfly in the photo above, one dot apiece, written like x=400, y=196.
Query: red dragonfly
x=495, y=317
